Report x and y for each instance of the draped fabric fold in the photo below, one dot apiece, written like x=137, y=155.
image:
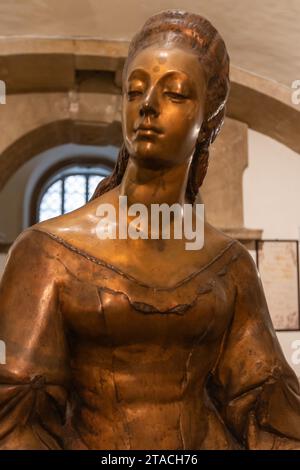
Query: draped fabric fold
x=34, y=379
x=251, y=387
x=254, y=388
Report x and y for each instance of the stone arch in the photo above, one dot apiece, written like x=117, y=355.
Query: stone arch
x=54, y=134
x=80, y=81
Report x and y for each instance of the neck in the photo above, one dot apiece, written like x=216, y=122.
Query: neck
x=148, y=186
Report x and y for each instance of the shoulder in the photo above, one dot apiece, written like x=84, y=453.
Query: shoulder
x=32, y=259
x=77, y=224
x=28, y=242
x=217, y=242
x=33, y=248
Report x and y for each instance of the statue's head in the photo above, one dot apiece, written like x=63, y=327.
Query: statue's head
x=175, y=81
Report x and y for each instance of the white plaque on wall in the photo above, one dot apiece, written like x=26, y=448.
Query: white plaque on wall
x=278, y=264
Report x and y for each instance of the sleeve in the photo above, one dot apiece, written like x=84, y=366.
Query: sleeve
x=34, y=372
x=255, y=390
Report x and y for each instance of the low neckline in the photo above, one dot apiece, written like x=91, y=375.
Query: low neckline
x=129, y=277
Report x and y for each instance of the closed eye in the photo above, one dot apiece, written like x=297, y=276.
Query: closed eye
x=133, y=93
x=176, y=96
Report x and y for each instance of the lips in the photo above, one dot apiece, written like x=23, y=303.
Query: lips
x=143, y=128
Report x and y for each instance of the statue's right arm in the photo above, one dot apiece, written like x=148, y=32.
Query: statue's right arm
x=34, y=369
x=254, y=388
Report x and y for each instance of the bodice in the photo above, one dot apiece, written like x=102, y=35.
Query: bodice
x=140, y=354
x=97, y=359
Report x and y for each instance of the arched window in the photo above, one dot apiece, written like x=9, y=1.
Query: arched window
x=68, y=189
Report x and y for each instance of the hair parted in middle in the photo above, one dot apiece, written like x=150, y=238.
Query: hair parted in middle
x=199, y=36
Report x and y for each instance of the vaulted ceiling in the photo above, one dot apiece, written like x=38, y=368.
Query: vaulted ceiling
x=262, y=36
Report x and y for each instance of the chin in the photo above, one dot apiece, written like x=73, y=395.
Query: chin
x=149, y=163
x=150, y=160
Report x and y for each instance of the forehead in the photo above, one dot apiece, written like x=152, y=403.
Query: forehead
x=157, y=61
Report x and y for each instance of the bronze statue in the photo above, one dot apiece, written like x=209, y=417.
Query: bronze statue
x=140, y=343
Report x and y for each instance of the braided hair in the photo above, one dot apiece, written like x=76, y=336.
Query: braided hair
x=196, y=33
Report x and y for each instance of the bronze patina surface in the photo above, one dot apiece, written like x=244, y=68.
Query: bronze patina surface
x=140, y=343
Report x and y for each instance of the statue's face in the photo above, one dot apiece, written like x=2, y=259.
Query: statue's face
x=163, y=105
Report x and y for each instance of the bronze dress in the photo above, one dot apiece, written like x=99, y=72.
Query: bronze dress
x=97, y=359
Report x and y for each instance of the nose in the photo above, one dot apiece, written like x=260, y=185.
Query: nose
x=150, y=104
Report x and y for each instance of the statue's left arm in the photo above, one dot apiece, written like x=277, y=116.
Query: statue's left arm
x=254, y=388
x=34, y=375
